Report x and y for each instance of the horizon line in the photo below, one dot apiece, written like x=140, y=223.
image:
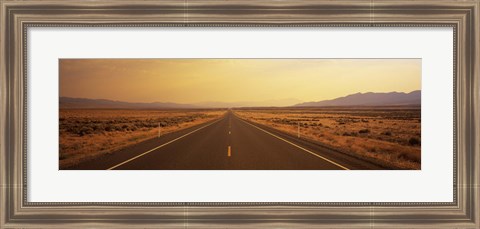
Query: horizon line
x=193, y=103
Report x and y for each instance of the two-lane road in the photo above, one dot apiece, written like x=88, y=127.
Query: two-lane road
x=227, y=143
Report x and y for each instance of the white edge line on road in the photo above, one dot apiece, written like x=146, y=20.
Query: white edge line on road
x=133, y=158
x=306, y=150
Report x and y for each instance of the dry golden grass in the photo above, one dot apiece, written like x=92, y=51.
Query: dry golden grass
x=89, y=133
x=389, y=136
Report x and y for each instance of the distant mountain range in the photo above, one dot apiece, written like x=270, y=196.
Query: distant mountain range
x=370, y=99
x=67, y=102
x=358, y=99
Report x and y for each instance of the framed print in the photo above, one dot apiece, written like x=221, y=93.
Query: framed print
x=240, y=114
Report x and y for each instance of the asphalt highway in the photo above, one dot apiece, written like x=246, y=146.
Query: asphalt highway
x=228, y=143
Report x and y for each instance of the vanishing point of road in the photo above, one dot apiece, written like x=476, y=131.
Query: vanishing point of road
x=228, y=143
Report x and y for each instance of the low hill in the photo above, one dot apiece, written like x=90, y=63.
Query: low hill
x=67, y=102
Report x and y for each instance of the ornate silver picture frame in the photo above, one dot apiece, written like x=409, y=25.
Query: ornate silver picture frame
x=17, y=16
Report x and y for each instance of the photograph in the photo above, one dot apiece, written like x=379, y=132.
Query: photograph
x=239, y=114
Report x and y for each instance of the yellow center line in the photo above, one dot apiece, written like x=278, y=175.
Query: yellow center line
x=143, y=154
x=291, y=143
x=229, y=151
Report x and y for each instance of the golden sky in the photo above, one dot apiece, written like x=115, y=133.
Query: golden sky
x=234, y=80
